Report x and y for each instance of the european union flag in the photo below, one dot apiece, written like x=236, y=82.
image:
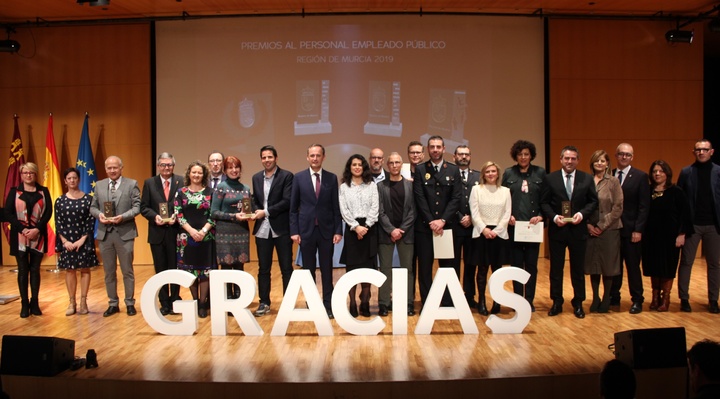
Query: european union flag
x=86, y=163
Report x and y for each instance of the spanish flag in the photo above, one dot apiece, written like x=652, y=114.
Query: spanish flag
x=51, y=178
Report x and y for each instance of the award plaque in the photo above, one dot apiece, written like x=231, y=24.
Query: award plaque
x=447, y=114
x=245, y=206
x=164, y=211
x=384, y=109
x=109, y=209
x=312, y=102
x=567, y=212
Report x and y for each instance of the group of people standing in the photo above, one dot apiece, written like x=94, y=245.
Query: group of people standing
x=200, y=222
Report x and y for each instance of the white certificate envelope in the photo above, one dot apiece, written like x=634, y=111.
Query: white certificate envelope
x=443, y=245
x=526, y=232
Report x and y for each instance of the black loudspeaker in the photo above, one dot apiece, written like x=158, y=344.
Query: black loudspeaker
x=36, y=356
x=652, y=348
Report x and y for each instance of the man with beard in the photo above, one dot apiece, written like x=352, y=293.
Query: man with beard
x=462, y=231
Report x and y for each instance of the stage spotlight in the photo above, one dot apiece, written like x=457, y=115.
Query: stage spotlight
x=679, y=36
x=9, y=46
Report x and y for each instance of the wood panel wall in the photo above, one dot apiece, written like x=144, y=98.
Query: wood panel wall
x=609, y=82
x=620, y=81
x=102, y=70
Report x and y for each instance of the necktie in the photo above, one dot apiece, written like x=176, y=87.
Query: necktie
x=568, y=185
x=619, y=176
x=317, y=184
x=464, y=179
x=166, y=189
x=437, y=168
x=112, y=187
x=215, y=182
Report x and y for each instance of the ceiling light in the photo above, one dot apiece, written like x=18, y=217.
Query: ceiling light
x=94, y=2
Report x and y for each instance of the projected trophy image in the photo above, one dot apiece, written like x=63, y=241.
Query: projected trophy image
x=384, y=109
x=313, y=107
x=447, y=116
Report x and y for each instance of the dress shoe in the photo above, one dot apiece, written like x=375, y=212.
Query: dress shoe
x=595, y=304
x=411, y=311
x=131, y=310
x=495, y=308
x=713, y=307
x=382, y=310
x=164, y=311
x=202, y=312
x=330, y=314
x=532, y=307
x=685, y=305
x=111, y=310
x=636, y=308
x=579, y=312
x=556, y=309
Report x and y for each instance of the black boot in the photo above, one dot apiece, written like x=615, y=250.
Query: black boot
x=34, y=307
x=481, y=308
x=25, y=309
x=495, y=308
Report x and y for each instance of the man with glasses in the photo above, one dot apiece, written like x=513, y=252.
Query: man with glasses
x=377, y=156
x=462, y=231
x=636, y=206
x=416, y=154
x=215, y=163
x=156, y=205
x=701, y=183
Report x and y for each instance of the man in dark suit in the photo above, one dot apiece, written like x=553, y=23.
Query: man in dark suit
x=272, y=189
x=701, y=183
x=215, y=163
x=115, y=204
x=636, y=206
x=315, y=221
x=397, y=220
x=462, y=231
x=438, y=191
x=159, y=191
x=568, y=193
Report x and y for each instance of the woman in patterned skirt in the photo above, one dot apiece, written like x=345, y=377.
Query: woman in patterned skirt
x=232, y=234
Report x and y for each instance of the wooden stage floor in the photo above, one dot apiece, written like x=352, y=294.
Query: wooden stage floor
x=129, y=350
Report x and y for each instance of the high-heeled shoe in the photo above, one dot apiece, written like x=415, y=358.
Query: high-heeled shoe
x=495, y=308
x=25, y=309
x=71, y=308
x=83, y=306
x=353, y=310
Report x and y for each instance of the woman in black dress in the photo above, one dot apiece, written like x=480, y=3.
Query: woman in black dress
x=195, y=249
x=75, y=244
x=28, y=209
x=668, y=223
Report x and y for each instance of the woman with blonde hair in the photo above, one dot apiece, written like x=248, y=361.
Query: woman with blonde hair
x=602, y=256
x=28, y=208
x=490, y=209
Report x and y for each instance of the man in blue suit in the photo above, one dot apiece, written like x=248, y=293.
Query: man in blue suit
x=315, y=221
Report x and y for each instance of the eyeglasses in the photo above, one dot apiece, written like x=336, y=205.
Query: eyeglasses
x=624, y=154
x=415, y=152
x=166, y=165
x=27, y=173
x=701, y=150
